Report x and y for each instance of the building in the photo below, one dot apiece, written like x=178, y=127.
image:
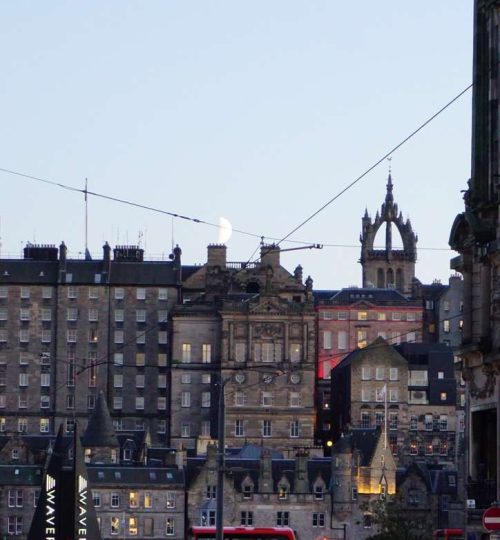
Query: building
x=409, y=391
x=70, y=328
x=475, y=235
x=251, y=326
x=317, y=497
x=388, y=267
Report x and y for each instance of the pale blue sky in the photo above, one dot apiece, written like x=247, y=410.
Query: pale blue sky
x=256, y=111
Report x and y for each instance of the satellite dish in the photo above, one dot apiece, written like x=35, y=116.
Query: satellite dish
x=225, y=230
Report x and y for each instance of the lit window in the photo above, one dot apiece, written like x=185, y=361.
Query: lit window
x=443, y=396
x=446, y=325
x=361, y=338
x=115, y=525
x=206, y=351
x=133, y=499
x=132, y=526
x=170, y=499
x=186, y=352
x=362, y=315
x=381, y=316
x=148, y=500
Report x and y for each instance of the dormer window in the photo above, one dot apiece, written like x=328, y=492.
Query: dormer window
x=14, y=453
x=247, y=491
x=127, y=454
x=319, y=492
x=282, y=492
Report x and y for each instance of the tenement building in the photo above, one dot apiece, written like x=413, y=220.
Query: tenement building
x=70, y=328
x=475, y=234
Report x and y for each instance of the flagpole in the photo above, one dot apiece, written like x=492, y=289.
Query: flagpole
x=385, y=417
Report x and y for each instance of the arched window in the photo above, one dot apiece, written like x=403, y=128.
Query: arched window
x=400, y=282
x=390, y=278
x=380, y=278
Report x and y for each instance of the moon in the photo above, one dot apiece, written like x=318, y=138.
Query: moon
x=225, y=230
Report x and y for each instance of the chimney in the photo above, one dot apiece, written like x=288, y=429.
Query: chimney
x=270, y=255
x=216, y=255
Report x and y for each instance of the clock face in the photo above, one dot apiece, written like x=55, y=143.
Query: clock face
x=239, y=377
x=267, y=378
x=295, y=378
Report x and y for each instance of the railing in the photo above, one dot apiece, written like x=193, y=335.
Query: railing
x=484, y=492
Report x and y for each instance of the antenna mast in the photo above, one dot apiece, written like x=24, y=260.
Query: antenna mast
x=86, y=220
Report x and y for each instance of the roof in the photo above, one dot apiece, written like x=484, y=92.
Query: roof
x=100, y=431
x=145, y=476
x=373, y=295
x=364, y=440
x=22, y=475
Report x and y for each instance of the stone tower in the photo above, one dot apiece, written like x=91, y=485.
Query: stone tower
x=388, y=267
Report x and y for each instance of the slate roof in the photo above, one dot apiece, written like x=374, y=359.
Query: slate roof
x=134, y=476
x=438, y=479
x=420, y=353
x=100, y=431
x=372, y=295
x=21, y=475
x=364, y=440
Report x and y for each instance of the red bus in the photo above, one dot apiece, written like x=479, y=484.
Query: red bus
x=448, y=534
x=247, y=533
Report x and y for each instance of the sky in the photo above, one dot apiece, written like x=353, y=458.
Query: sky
x=259, y=112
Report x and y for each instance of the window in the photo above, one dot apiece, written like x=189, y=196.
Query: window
x=4, y=291
x=96, y=498
x=381, y=316
x=132, y=526
x=44, y=379
x=380, y=394
x=140, y=359
x=186, y=430
x=46, y=336
x=211, y=492
x=93, y=315
x=139, y=403
x=115, y=525
x=361, y=338
x=365, y=394
x=342, y=340
x=379, y=373
x=22, y=401
x=186, y=352
x=170, y=499
x=318, y=519
x=93, y=292
x=205, y=428
x=44, y=402
x=393, y=374
x=24, y=314
x=283, y=490
x=115, y=500
x=319, y=492
x=46, y=293
x=379, y=419
x=161, y=403
x=429, y=422
x=162, y=381
x=266, y=428
x=185, y=399
x=71, y=336
x=186, y=378
x=282, y=519
x=239, y=399
x=240, y=351
x=294, y=429
x=411, y=337
x=22, y=425
x=411, y=317
x=91, y=401
x=365, y=373
x=93, y=336
x=72, y=292
x=170, y=527
x=354, y=493
x=140, y=315
x=15, y=525
x=246, y=518
x=208, y=518
x=70, y=425
x=3, y=401
x=362, y=315
x=44, y=425
x=295, y=352
x=161, y=426
x=206, y=353
x=446, y=325
x=3, y=314
x=162, y=360
x=140, y=338
x=139, y=380
x=393, y=420
x=162, y=315
x=15, y=498
x=443, y=396
x=162, y=293
x=267, y=352
x=205, y=399
x=119, y=293
x=295, y=399
x=118, y=380
x=133, y=499
x=239, y=428
x=118, y=359
x=118, y=336
x=25, y=292
x=365, y=419
x=3, y=335
x=327, y=339
x=24, y=335
x=342, y=316
x=206, y=378
x=2, y=425
x=266, y=399
x=141, y=293
x=413, y=422
x=92, y=369
x=119, y=315
x=443, y=422
x=393, y=395
x=70, y=401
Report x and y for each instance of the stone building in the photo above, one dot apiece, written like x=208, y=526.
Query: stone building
x=317, y=497
x=70, y=328
x=414, y=385
x=475, y=235
x=251, y=325
x=388, y=267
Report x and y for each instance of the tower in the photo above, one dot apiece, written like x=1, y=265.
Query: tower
x=388, y=267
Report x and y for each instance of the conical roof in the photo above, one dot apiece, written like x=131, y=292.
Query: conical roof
x=100, y=431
